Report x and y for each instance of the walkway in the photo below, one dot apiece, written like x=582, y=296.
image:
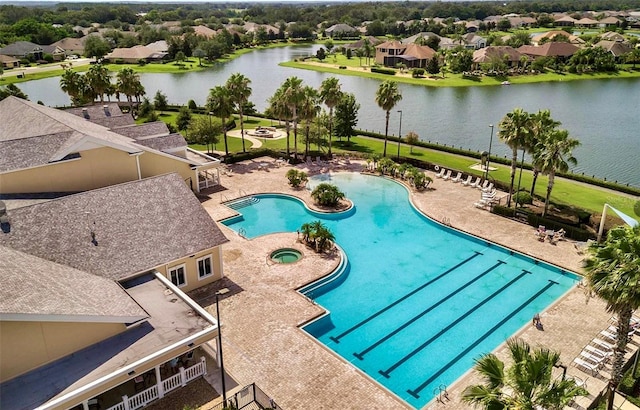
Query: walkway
x=256, y=141
x=262, y=313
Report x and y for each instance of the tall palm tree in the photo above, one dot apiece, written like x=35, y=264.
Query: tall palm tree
x=612, y=273
x=330, y=94
x=128, y=83
x=280, y=110
x=387, y=96
x=527, y=385
x=240, y=92
x=72, y=83
x=220, y=104
x=309, y=110
x=293, y=94
x=99, y=81
x=541, y=126
x=555, y=154
x=513, y=129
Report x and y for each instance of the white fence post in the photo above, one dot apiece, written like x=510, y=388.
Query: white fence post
x=125, y=401
x=204, y=365
x=183, y=377
x=159, y=382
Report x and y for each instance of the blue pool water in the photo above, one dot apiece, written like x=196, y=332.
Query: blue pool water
x=418, y=301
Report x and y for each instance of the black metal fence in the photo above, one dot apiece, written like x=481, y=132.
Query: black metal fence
x=249, y=397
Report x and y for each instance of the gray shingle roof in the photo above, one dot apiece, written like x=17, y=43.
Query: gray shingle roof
x=34, y=286
x=97, y=111
x=138, y=226
x=140, y=131
x=115, y=122
x=29, y=152
x=165, y=142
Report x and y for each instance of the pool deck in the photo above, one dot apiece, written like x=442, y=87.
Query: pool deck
x=261, y=314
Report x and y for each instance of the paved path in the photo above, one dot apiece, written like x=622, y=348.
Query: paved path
x=261, y=315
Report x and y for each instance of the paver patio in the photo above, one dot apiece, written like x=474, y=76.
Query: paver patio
x=261, y=315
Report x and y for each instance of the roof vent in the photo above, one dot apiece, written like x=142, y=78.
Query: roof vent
x=106, y=110
x=85, y=113
x=4, y=218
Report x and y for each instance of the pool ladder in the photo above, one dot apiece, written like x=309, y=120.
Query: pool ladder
x=441, y=394
x=242, y=232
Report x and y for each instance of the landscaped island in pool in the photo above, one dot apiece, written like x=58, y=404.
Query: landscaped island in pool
x=417, y=301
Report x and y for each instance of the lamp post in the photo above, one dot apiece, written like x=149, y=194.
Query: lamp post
x=399, y=134
x=224, y=388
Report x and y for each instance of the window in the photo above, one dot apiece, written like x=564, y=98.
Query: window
x=204, y=267
x=178, y=276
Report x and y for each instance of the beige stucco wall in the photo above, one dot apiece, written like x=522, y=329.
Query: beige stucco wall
x=155, y=164
x=25, y=346
x=191, y=268
x=95, y=168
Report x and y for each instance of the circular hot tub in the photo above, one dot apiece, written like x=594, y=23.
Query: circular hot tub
x=286, y=255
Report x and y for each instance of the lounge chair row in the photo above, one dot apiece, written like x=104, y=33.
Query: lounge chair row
x=446, y=174
x=600, y=350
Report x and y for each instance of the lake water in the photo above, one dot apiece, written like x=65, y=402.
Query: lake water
x=602, y=114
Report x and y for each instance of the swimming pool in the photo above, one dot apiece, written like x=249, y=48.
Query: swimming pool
x=417, y=301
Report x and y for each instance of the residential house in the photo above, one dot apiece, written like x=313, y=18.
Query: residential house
x=71, y=45
x=135, y=54
x=9, y=62
x=204, y=31
x=474, y=41
x=360, y=43
x=617, y=48
x=562, y=51
x=341, y=30
x=49, y=150
x=93, y=310
x=586, y=22
x=392, y=53
x=522, y=21
x=417, y=38
x=613, y=36
x=29, y=50
x=159, y=46
x=609, y=21
x=564, y=21
x=553, y=34
x=494, y=54
x=251, y=28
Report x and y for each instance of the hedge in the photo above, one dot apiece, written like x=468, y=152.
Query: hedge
x=379, y=70
x=535, y=220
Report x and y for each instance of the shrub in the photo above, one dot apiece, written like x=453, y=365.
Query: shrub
x=327, y=195
x=522, y=198
x=317, y=234
x=343, y=67
x=419, y=179
x=296, y=178
x=381, y=70
x=192, y=105
x=417, y=72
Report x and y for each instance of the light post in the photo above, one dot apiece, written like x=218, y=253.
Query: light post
x=224, y=388
x=399, y=134
x=486, y=170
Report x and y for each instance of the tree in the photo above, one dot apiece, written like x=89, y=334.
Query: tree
x=513, y=129
x=412, y=139
x=503, y=25
x=347, y=115
x=309, y=110
x=180, y=57
x=527, y=384
x=184, y=118
x=219, y=103
x=433, y=65
x=293, y=95
x=96, y=47
x=203, y=131
x=320, y=54
x=387, y=96
x=327, y=194
x=612, y=273
x=239, y=90
x=12, y=90
x=160, y=101
x=98, y=82
x=541, y=125
x=199, y=54
x=555, y=155
x=280, y=110
x=330, y=94
x=128, y=83
x=73, y=84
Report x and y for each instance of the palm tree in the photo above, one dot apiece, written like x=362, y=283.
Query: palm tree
x=613, y=273
x=330, y=94
x=98, y=80
x=128, y=83
x=309, y=109
x=280, y=110
x=293, y=95
x=72, y=83
x=541, y=125
x=528, y=384
x=387, y=97
x=220, y=104
x=555, y=154
x=513, y=132
x=238, y=86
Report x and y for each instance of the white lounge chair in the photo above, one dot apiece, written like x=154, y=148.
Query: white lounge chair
x=602, y=343
x=458, y=177
x=467, y=181
x=597, y=352
x=441, y=174
x=447, y=175
x=597, y=360
x=489, y=188
x=586, y=365
x=484, y=184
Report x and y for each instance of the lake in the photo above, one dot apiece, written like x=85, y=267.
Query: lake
x=602, y=114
